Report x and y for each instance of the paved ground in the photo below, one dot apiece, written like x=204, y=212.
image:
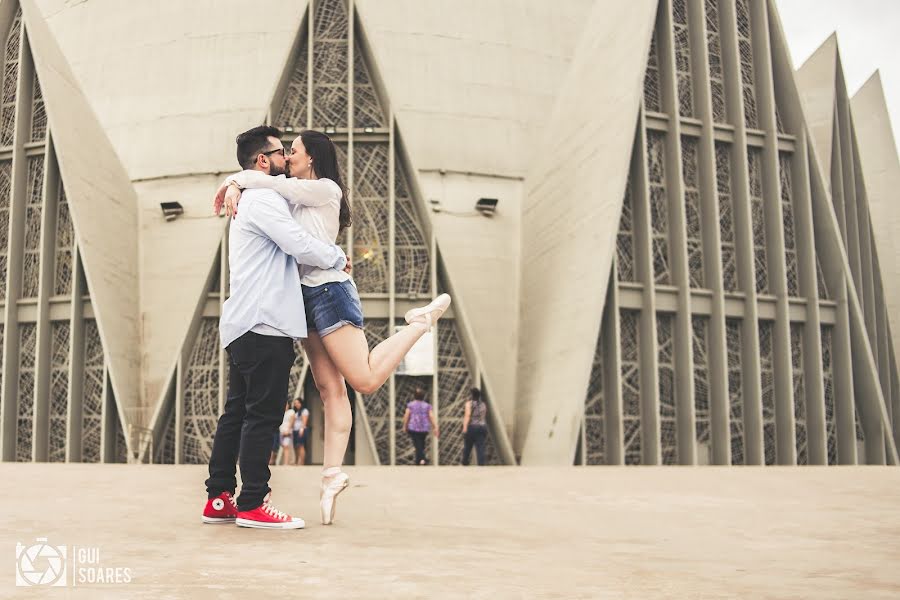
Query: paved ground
x=478, y=533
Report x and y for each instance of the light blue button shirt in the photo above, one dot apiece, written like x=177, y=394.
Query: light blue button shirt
x=265, y=244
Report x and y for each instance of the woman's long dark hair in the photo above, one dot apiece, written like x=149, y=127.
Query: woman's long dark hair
x=475, y=393
x=324, y=162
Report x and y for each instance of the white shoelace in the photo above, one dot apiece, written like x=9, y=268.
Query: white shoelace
x=232, y=500
x=274, y=512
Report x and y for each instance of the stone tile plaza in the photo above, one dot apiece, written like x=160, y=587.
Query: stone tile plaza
x=668, y=247
x=649, y=532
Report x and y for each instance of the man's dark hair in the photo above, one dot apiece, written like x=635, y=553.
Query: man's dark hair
x=252, y=142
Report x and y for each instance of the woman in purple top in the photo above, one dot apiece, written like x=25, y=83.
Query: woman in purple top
x=418, y=421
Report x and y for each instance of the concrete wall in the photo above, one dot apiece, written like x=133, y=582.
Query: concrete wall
x=482, y=254
x=816, y=80
x=472, y=82
x=175, y=259
x=104, y=211
x=881, y=172
x=573, y=200
x=172, y=82
x=842, y=226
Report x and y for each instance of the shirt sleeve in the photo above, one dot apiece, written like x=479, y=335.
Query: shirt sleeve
x=303, y=192
x=270, y=216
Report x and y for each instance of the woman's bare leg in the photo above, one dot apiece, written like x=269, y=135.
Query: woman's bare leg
x=367, y=371
x=286, y=454
x=330, y=382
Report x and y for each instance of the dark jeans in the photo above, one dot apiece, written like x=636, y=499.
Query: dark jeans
x=418, y=440
x=476, y=435
x=257, y=389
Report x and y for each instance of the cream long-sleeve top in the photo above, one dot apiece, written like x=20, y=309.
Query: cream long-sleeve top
x=265, y=244
x=315, y=205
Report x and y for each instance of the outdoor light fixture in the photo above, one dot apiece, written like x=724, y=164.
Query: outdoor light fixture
x=171, y=210
x=329, y=129
x=487, y=206
x=369, y=129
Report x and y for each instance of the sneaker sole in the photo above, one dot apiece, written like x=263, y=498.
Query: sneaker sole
x=218, y=520
x=261, y=525
x=333, y=504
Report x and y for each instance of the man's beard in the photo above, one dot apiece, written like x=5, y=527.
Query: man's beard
x=275, y=170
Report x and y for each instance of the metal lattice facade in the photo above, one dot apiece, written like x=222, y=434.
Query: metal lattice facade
x=56, y=403
x=10, y=80
x=729, y=348
x=735, y=391
x=60, y=333
x=594, y=436
x=5, y=197
x=201, y=395
x=700, y=332
x=668, y=428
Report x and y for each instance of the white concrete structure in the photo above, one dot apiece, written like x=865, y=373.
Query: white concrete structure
x=686, y=263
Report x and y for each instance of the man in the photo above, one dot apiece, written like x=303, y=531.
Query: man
x=259, y=323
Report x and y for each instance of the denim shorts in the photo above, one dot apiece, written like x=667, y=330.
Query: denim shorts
x=332, y=305
x=299, y=440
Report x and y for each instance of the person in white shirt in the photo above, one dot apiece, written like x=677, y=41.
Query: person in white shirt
x=259, y=323
x=336, y=347
x=285, y=436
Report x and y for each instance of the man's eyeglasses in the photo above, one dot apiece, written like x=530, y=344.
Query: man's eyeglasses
x=270, y=152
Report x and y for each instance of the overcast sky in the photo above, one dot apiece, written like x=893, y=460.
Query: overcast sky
x=868, y=39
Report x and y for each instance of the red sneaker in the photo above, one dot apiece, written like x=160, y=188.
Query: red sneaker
x=221, y=509
x=266, y=516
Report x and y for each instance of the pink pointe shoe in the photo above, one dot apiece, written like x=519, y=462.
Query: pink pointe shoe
x=431, y=313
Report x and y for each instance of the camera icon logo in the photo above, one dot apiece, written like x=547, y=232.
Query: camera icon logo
x=40, y=564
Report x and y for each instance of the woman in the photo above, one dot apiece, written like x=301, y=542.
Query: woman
x=301, y=430
x=336, y=347
x=474, y=427
x=417, y=421
x=283, y=436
